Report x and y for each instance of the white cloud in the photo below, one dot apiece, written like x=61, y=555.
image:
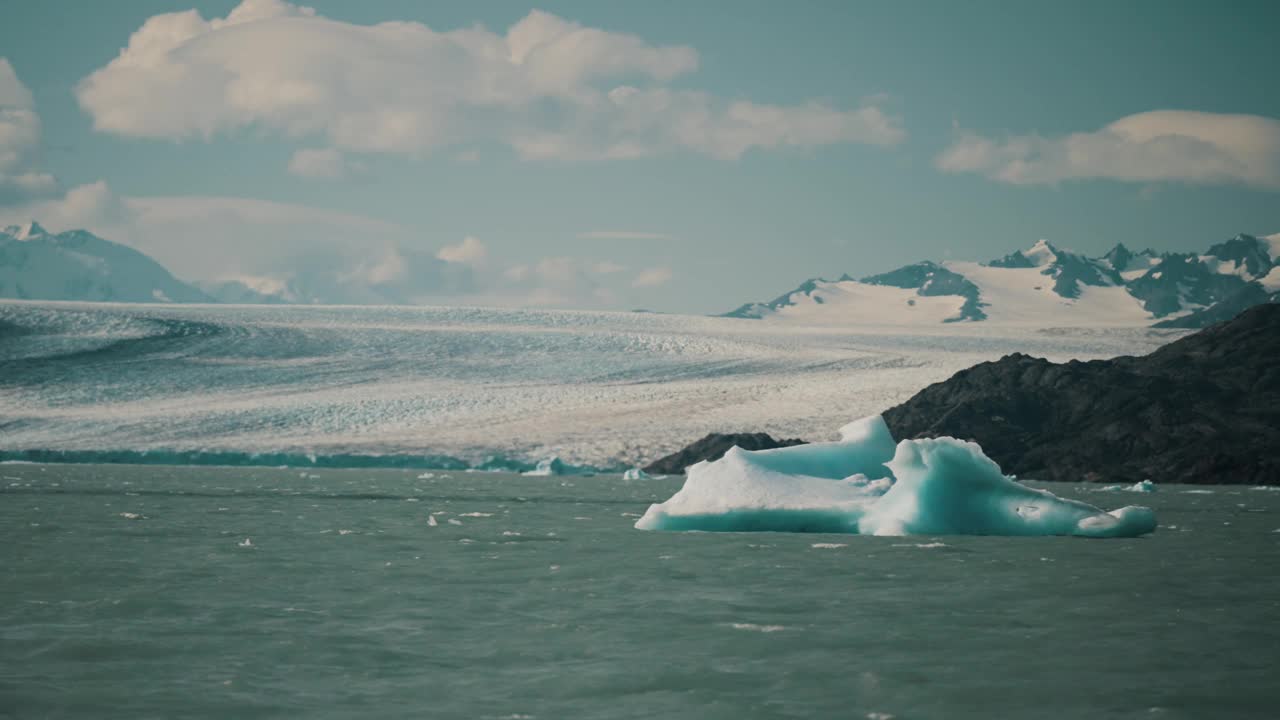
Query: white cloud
x=303, y=252
x=622, y=235
x=607, y=267
x=319, y=164
x=555, y=282
x=652, y=277
x=1164, y=145
x=205, y=237
x=12, y=92
x=19, y=142
x=468, y=252
x=548, y=87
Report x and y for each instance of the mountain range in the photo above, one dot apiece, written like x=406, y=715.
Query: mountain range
x=1046, y=285
x=1042, y=285
x=36, y=264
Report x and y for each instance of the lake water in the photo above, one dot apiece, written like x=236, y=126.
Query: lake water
x=175, y=592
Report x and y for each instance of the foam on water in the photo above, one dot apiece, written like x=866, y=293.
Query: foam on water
x=865, y=484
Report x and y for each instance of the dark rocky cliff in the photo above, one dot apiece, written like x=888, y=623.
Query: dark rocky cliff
x=1203, y=409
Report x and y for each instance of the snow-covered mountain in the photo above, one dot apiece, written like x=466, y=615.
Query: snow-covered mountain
x=36, y=264
x=1047, y=286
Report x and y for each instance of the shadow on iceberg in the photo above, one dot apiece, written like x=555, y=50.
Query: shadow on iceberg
x=865, y=483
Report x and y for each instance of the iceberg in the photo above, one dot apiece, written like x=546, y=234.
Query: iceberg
x=865, y=483
x=635, y=473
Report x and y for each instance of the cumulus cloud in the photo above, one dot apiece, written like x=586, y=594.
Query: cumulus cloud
x=556, y=282
x=652, y=277
x=302, y=252
x=468, y=252
x=319, y=164
x=209, y=237
x=549, y=88
x=607, y=267
x=1164, y=145
x=19, y=142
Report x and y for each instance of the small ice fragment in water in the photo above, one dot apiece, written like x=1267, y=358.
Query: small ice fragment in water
x=245, y=543
x=426, y=476
x=431, y=520
x=345, y=532
x=828, y=545
x=757, y=628
x=452, y=521
x=635, y=473
x=131, y=516
x=1146, y=486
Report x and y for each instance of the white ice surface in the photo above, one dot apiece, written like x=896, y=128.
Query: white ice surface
x=851, y=303
x=615, y=389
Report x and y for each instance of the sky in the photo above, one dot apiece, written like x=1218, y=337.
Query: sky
x=681, y=157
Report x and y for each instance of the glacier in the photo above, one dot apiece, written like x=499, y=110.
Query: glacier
x=867, y=484
x=456, y=388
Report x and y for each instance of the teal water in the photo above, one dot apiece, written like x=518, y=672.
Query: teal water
x=129, y=592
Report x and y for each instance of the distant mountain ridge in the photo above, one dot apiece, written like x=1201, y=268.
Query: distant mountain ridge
x=1047, y=285
x=36, y=264
x=1042, y=285
x=77, y=265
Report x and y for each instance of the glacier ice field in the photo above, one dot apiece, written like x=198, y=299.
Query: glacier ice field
x=459, y=387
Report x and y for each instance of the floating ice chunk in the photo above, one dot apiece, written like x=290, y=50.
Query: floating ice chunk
x=865, y=484
x=245, y=543
x=431, y=520
x=946, y=486
x=822, y=487
x=753, y=627
x=1146, y=486
x=635, y=473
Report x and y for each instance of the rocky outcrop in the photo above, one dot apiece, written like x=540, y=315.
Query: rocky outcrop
x=1203, y=409
x=713, y=447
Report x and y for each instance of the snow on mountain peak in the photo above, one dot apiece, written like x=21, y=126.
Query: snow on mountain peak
x=1041, y=254
x=1273, y=242
x=28, y=231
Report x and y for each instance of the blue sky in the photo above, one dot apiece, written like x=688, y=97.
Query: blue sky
x=753, y=144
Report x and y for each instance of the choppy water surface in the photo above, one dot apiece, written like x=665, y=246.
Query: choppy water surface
x=130, y=592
